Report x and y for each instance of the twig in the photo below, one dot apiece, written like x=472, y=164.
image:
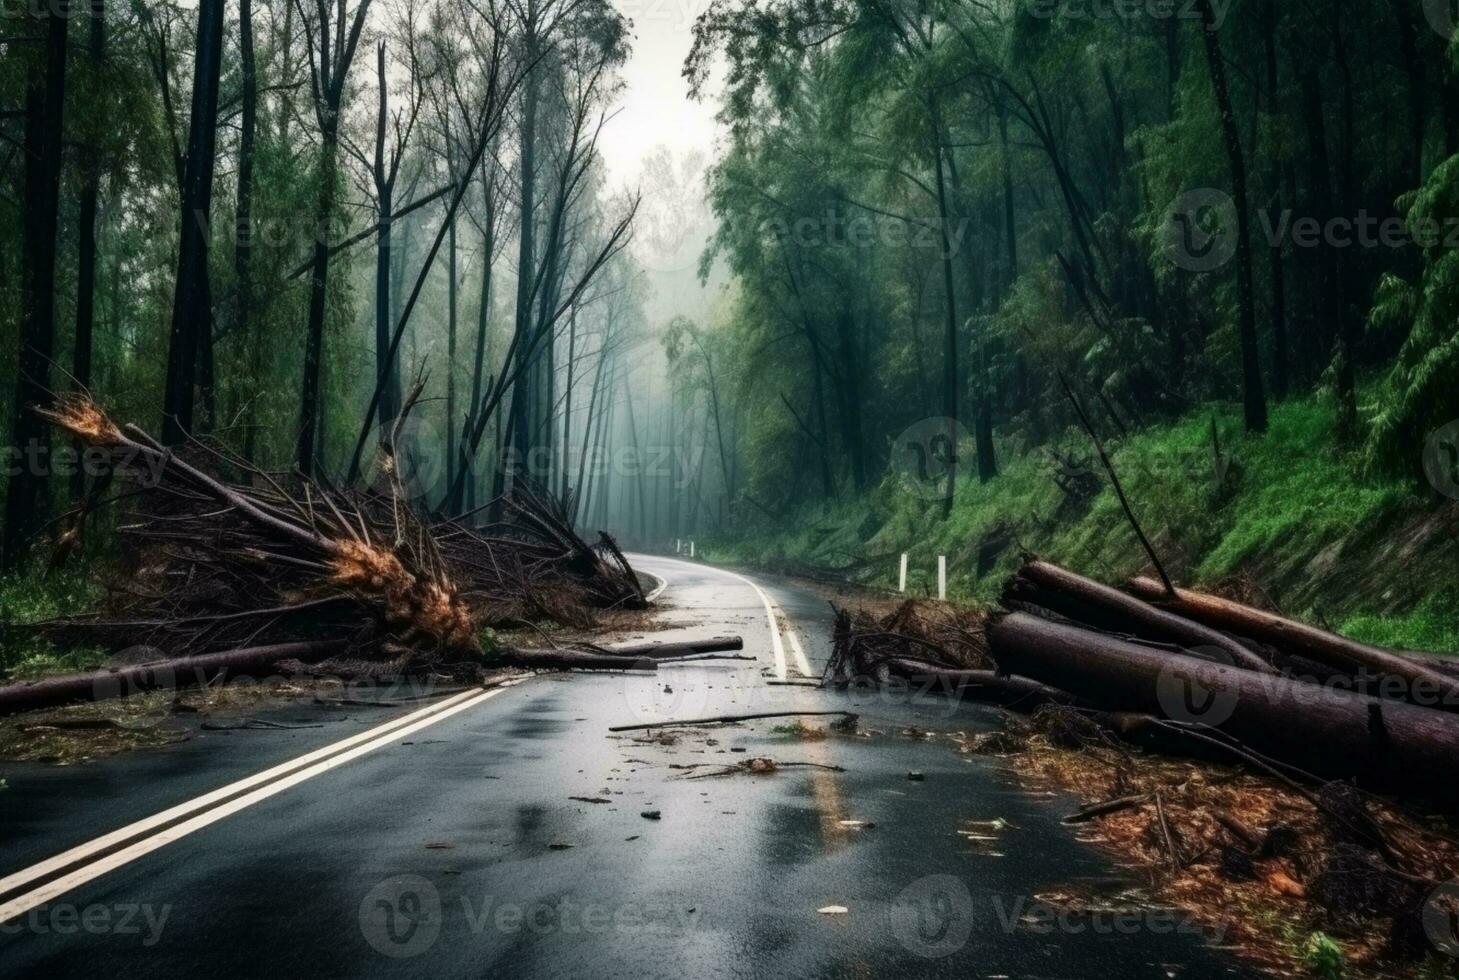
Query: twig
x=727, y=719
x=1092, y=811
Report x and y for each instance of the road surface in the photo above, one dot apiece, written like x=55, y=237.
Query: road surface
x=463, y=841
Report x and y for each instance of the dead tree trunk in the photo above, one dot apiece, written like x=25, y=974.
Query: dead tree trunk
x=45, y=96
x=1076, y=597
x=192, y=300
x=1387, y=746
x=1299, y=638
x=186, y=672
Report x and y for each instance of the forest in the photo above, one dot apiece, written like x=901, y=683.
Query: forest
x=977, y=199
x=1093, y=361
x=927, y=233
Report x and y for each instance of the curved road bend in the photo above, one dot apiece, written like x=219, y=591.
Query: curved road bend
x=451, y=845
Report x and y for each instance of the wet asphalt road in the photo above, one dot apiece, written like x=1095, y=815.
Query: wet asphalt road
x=459, y=851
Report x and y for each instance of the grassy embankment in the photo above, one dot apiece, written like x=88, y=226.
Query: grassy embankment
x=1373, y=558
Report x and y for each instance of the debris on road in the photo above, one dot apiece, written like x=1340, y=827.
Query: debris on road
x=762, y=767
x=238, y=571
x=726, y=720
x=1232, y=753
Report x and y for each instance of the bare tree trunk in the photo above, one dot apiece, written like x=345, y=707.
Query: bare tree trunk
x=307, y=454
x=243, y=249
x=329, y=75
x=26, y=506
x=983, y=422
x=1253, y=395
x=386, y=372
x=638, y=461
x=86, y=259
x=483, y=333
x=451, y=273
x=1349, y=329
x=950, y=340
x=191, y=306
x=580, y=504
x=523, y=390
x=1275, y=188
x=572, y=344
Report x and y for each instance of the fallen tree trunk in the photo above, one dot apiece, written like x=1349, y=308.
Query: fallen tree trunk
x=572, y=660
x=1387, y=746
x=714, y=644
x=182, y=673
x=1423, y=683
x=1087, y=601
x=980, y=685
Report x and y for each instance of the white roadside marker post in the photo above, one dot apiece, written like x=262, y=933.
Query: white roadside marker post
x=902, y=578
x=678, y=546
x=942, y=577
x=691, y=547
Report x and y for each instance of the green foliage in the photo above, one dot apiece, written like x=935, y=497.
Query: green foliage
x=1324, y=957
x=1281, y=506
x=1419, y=393
x=30, y=599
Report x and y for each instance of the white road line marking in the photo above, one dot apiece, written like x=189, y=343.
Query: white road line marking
x=771, y=611
x=801, y=663
x=83, y=851
x=658, y=590
x=292, y=772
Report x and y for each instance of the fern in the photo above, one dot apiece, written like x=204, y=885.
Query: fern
x=1419, y=395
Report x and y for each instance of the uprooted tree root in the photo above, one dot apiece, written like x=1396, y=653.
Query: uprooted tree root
x=1262, y=866
x=222, y=555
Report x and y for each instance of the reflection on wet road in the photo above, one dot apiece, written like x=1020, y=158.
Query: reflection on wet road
x=520, y=839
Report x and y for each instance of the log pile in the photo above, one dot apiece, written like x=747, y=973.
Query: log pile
x=1331, y=742
x=1184, y=672
x=225, y=566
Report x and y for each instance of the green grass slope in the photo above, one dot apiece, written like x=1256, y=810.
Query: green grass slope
x=1289, y=517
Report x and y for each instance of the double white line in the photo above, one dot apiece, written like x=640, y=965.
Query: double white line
x=44, y=882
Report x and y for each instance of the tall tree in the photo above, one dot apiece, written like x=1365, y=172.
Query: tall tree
x=243, y=239
x=191, y=304
x=26, y=506
x=86, y=230
x=331, y=47
x=1253, y=396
